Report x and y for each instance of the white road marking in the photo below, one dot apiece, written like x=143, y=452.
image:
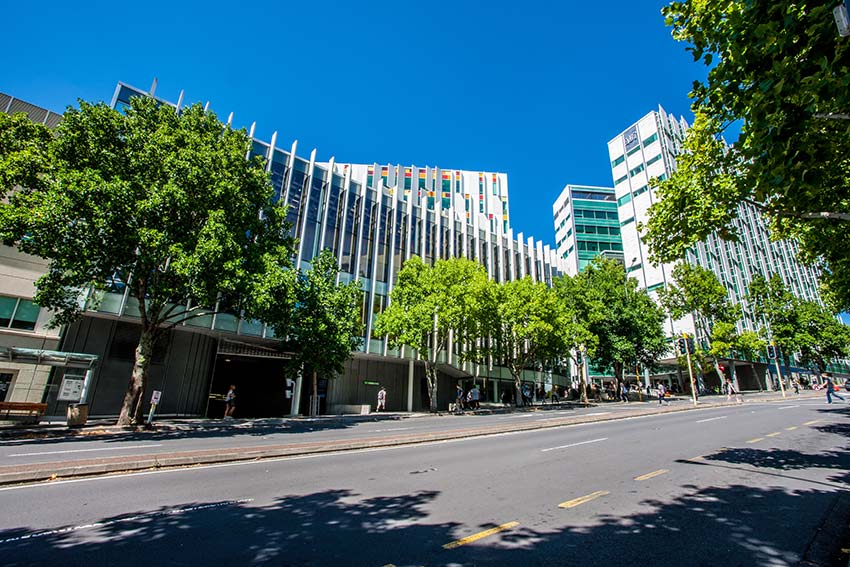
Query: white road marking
x=711, y=419
x=574, y=444
x=84, y=450
x=520, y=415
x=598, y=413
x=390, y=429
x=787, y=407
x=33, y=535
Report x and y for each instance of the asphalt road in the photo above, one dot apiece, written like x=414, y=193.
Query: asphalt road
x=258, y=433
x=739, y=485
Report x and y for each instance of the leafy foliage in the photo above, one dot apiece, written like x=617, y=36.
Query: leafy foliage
x=428, y=304
x=160, y=201
x=629, y=328
x=779, y=69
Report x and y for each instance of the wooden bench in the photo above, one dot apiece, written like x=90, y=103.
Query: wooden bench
x=28, y=412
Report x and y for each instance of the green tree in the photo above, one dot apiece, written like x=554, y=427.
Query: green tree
x=696, y=291
x=323, y=326
x=779, y=70
x=526, y=326
x=160, y=201
x=23, y=152
x=822, y=338
x=630, y=329
x=583, y=309
x=777, y=307
x=429, y=305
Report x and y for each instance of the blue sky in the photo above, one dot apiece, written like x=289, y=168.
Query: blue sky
x=533, y=89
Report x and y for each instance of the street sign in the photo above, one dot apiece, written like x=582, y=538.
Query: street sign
x=155, y=396
x=371, y=383
x=71, y=389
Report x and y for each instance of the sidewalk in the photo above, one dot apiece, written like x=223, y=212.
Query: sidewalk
x=13, y=474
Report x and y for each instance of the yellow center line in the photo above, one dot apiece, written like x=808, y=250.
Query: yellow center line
x=756, y=440
x=774, y=434
x=647, y=476
x=480, y=535
x=792, y=428
x=814, y=421
x=581, y=500
x=699, y=458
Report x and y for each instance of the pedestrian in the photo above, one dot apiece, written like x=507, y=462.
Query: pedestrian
x=526, y=395
x=382, y=399
x=662, y=391
x=624, y=392
x=730, y=391
x=475, y=396
x=796, y=384
x=459, y=398
x=830, y=391
x=506, y=397
x=597, y=394
x=230, y=402
x=541, y=394
x=555, y=398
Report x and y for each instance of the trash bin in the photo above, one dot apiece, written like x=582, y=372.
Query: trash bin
x=78, y=414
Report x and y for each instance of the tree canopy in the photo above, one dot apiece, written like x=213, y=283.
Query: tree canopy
x=431, y=304
x=162, y=202
x=779, y=70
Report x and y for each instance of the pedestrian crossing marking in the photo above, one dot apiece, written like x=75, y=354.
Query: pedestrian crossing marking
x=647, y=476
x=480, y=535
x=582, y=499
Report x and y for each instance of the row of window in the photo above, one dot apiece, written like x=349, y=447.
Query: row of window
x=590, y=229
x=599, y=246
x=604, y=215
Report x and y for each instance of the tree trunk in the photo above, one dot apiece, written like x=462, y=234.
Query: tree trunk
x=431, y=376
x=131, y=409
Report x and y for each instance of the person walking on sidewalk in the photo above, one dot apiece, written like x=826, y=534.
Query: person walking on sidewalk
x=382, y=399
x=730, y=391
x=662, y=391
x=830, y=391
x=230, y=402
x=624, y=392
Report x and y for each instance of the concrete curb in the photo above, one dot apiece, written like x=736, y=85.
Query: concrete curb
x=19, y=474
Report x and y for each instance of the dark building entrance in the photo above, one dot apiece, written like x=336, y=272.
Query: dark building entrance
x=260, y=386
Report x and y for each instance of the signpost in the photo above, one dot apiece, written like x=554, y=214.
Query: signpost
x=155, y=396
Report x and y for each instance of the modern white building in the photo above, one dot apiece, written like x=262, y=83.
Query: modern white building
x=647, y=150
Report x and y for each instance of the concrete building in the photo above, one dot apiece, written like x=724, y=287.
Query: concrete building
x=373, y=217
x=647, y=149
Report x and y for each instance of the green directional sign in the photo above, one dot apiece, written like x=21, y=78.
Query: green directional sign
x=371, y=383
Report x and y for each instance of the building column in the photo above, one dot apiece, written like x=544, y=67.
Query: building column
x=410, y=385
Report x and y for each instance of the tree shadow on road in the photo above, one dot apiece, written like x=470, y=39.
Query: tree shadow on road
x=731, y=525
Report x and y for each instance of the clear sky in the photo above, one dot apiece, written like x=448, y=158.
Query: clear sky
x=533, y=89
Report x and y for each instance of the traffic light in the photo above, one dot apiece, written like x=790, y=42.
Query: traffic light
x=680, y=344
x=690, y=343
x=578, y=358
x=771, y=351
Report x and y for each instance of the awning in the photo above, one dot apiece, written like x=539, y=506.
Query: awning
x=48, y=357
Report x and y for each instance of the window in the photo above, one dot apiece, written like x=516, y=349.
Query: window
x=650, y=161
x=624, y=199
x=18, y=313
x=633, y=150
x=627, y=221
x=636, y=170
x=618, y=161
x=620, y=180
x=651, y=139
x=655, y=287
x=635, y=267
x=641, y=191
